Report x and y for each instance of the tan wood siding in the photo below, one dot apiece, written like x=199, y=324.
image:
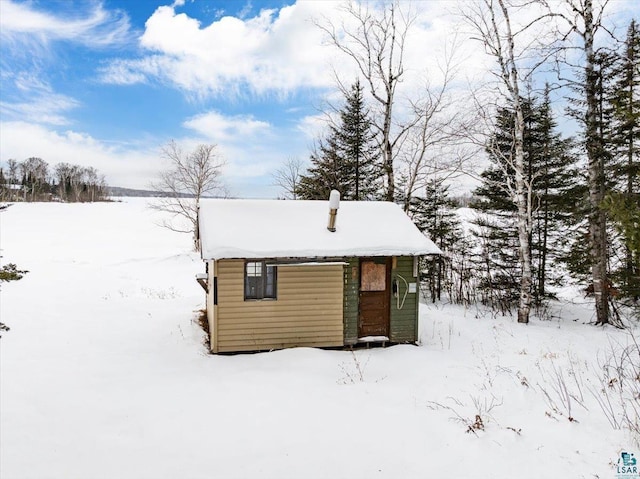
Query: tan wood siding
x=307, y=312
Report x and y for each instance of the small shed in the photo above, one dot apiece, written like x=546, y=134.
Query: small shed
x=277, y=276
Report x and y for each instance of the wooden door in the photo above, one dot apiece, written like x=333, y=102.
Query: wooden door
x=375, y=294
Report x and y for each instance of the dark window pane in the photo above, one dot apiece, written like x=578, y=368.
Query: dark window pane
x=249, y=288
x=259, y=280
x=270, y=290
x=255, y=287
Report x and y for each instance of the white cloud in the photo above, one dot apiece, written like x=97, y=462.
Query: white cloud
x=35, y=101
x=276, y=50
x=281, y=50
x=22, y=23
x=28, y=34
x=47, y=109
x=249, y=146
x=313, y=126
x=252, y=148
x=221, y=129
x=121, y=73
x=123, y=165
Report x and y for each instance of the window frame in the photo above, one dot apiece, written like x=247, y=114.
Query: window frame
x=264, y=276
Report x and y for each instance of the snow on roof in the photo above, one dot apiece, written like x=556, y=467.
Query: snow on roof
x=298, y=229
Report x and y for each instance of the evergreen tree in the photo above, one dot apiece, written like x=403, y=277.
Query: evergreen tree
x=434, y=215
x=583, y=251
x=626, y=111
x=625, y=100
x=348, y=160
x=326, y=173
x=551, y=159
x=625, y=212
x=495, y=226
x=496, y=261
x=356, y=140
x=549, y=167
x=615, y=142
x=585, y=23
x=625, y=146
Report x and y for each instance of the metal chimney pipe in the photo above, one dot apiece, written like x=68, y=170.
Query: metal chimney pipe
x=334, y=204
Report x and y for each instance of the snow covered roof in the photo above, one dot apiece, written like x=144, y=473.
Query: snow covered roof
x=298, y=229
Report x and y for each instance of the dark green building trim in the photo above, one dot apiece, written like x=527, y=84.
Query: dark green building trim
x=404, y=307
x=403, y=327
x=351, y=298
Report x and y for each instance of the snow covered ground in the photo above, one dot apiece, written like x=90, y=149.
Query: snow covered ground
x=104, y=375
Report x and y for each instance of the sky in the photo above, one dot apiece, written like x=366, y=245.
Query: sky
x=108, y=84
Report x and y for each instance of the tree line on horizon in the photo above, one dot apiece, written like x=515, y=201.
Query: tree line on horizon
x=34, y=180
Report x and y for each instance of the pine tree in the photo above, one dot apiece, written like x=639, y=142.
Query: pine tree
x=592, y=119
x=434, y=215
x=326, y=173
x=495, y=226
x=10, y=272
x=625, y=212
x=550, y=158
x=348, y=159
x=625, y=107
x=548, y=167
x=356, y=140
x=614, y=126
x=581, y=247
x=496, y=263
x=626, y=112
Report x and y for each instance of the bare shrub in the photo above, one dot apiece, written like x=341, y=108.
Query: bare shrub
x=618, y=391
x=482, y=407
x=562, y=391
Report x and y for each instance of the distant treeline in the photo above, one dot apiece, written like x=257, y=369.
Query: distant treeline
x=33, y=180
x=132, y=192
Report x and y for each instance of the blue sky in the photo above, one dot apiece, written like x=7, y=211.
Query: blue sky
x=94, y=83
x=107, y=84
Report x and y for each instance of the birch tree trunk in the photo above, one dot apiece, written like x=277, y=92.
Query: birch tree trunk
x=492, y=22
x=522, y=198
x=596, y=178
x=377, y=46
x=582, y=19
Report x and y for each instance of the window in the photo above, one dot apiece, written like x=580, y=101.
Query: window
x=259, y=280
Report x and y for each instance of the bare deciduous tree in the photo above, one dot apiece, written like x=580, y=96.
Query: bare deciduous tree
x=583, y=20
x=35, y=171
x=377, y=45
x=491, y=21
x=430, y=149
x=190, y=177
x=287, y=177
x=12, y=170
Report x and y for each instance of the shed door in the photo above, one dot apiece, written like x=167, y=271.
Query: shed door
x=375, y=292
